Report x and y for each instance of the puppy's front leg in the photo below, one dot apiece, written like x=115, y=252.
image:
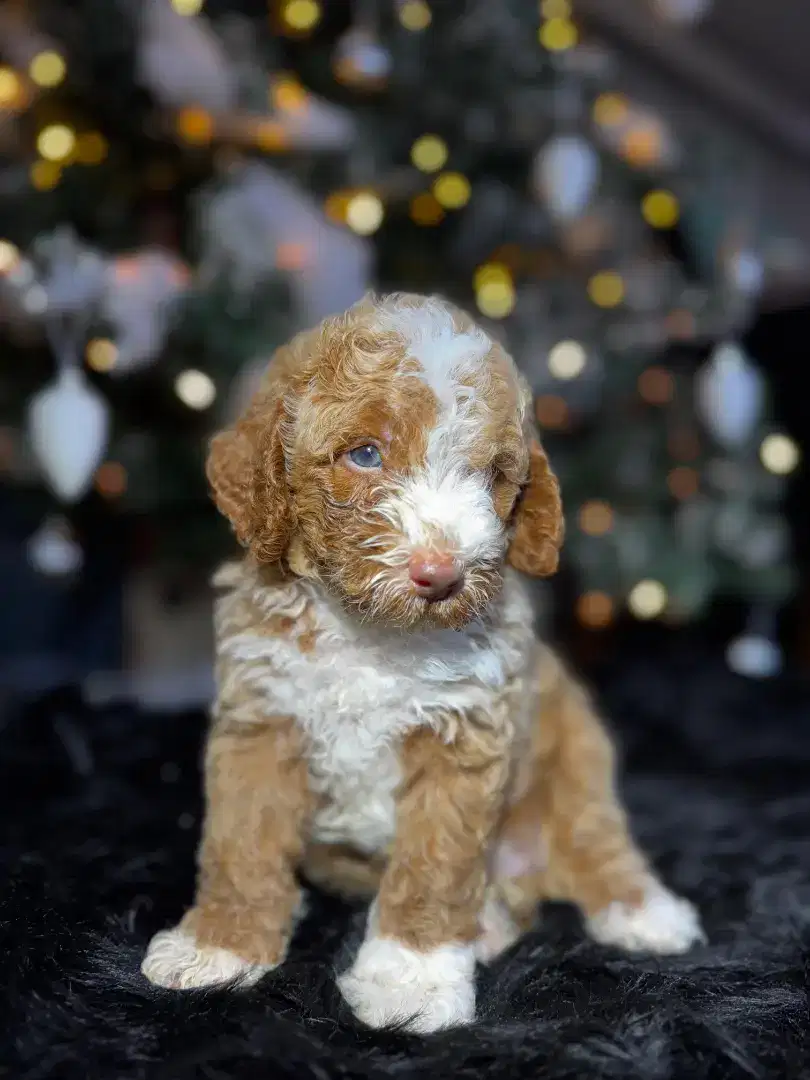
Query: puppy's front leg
x=258, y=803
x=416, y=965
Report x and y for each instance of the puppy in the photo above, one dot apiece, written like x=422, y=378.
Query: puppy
x=387, y=723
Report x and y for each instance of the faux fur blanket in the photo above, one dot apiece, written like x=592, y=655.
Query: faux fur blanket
x=100, y=815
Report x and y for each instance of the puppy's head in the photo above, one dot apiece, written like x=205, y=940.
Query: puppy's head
x=391, y=455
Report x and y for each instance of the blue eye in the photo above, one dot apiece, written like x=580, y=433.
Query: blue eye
x=366, y=457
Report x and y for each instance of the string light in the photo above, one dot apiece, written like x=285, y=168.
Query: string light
x=91, y=148
x=551, y=412
x=558, y=34
x=489, y=272
x=595, y=517
x=642, y=145
x=495, y=299
x=595, y=610
x=56, y=142
x=364, y=213
x=452, y=190
x=683, y=482
x=111, y=479
x=45, y=175
x=195, y=389
x=101, y=354
x=415, y=15
x=656, y=386
x=429, y=153
x=195, y=126
x=11, y=89
x=567, y=360
x=336, y=205
x=188, y=7
x=47, y=69
x=779, y=454
x=271, y=137
x=648, y=599
x=660, y=209
x=426, y=210
x=9, y=256
x=606, y=289
x=494, y=290
x=288, y=94
x=301, y=15
x=610, y=110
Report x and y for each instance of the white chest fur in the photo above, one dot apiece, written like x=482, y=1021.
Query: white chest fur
x=357, y=690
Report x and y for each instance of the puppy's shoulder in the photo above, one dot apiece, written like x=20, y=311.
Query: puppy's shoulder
x=260, y=600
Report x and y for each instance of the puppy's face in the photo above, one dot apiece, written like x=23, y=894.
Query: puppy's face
x=403, y=457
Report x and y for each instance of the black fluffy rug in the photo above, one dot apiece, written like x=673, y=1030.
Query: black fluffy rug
x=100, y=814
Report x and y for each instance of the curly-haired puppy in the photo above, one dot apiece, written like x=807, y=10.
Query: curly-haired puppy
x=387, y=723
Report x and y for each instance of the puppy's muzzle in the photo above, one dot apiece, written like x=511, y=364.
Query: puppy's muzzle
x=435, y=575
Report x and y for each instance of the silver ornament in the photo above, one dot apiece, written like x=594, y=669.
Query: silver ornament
x=565, y=175
x=53, y=550
x=361, y=60
x=68, y=424
x=730, y=395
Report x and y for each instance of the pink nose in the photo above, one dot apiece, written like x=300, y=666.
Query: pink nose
x=435, y=575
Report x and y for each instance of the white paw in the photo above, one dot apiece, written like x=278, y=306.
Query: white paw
x=499, y=931
x=391, y=984
x=664, y=923
x=174, y=959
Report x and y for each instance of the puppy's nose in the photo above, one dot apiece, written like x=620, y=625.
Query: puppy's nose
x=435, y=574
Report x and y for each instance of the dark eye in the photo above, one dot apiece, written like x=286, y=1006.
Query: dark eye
x=366, y=457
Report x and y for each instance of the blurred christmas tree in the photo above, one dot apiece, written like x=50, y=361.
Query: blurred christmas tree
x=186, y=184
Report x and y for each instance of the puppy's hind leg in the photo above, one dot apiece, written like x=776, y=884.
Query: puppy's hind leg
x=568, y=838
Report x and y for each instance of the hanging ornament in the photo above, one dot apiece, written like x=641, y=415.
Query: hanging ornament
x=68, y=420
x=756, y=654
x=745, y=272
x=68, y=423
x=361, y=60
x=181, y=61
x=72, y=273
x=138, y=303
x=53, y=550
x=565, y=174
x=730, y=395
x=246, y=225
x=683, y=12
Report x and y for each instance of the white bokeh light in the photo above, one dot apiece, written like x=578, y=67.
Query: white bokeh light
x=195, y=389
x=567, y=360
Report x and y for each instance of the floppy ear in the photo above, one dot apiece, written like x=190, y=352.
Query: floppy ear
x=247, y=474
x=538, y=522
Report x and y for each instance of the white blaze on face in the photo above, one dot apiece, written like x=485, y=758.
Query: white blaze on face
x=445, y=502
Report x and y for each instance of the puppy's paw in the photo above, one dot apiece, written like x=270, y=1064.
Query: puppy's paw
x=424, y=992
x=176, y=961
x=664, y=923
x=499, y=931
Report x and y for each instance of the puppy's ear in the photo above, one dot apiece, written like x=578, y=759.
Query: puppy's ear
x=247, y=473
x=538, y=526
